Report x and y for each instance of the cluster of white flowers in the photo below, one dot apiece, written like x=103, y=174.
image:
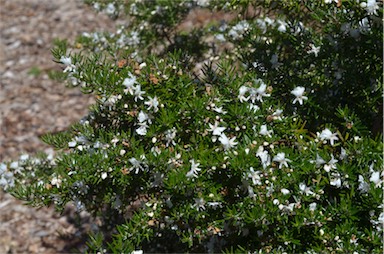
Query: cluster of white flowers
x=109, y=9
x=379, y=222
x=237, y=31
x=170, y=136
x=132, y=87
x=218, y=131
x=284, y=208
x=7, y=179
x=80, y=143
x=254, y=93
x=71, y=69
x=265, y=23
x=202, y=3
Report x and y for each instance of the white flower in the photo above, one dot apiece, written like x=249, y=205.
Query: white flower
x=226, y=142
x=24, y=157
x=262, y=25
x=96, y=6
x=363, y=185
x=264, y=131
x=104, y=175
x=328, y=135
x=138, y=93
x=157, y=179
x=255, y=176
x=7, y=180
x=112, y=100
x=170, y=135
x=214, y=204
x=269, y=21
x=274, y=61
x=277, y=114
x=287, y=209
x=142, y=130
x=253, y=107
x=136, y=164
x=134, y=38
x=376, y=178
x=364, y=25
x=129, y=83
x=242, y=91
x=343, y=154
x=3, y=168
x=110, y=10
x=315, y=50
x=264, y=157
x=202, y=3
x=152, y=103
x=216, y=130
x=194, y=169
x=336, y=180
x=356, y=139
x=282, y=26
x=331, y=164
x=220, y=37
x=72, y=144
x=319, y=161
x=330, y=1
x=298, y=92
x=280, y=158
x=137, y=252
x=270, y=189
x=142, y=117
x=305, y=189
x=238, y=30
x=312, y=206
x=258, y=93
x=56, y=181
x=66, y=60
x=285, y=191
x=199, y=204
x=68, y=63
x=219, y=110
x=371, y=6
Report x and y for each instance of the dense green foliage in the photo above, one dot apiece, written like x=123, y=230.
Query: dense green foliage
x=255, y=134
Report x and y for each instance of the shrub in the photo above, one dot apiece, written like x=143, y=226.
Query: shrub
x=262, y=150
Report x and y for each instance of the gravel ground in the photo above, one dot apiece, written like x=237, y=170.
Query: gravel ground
x=31, y=104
